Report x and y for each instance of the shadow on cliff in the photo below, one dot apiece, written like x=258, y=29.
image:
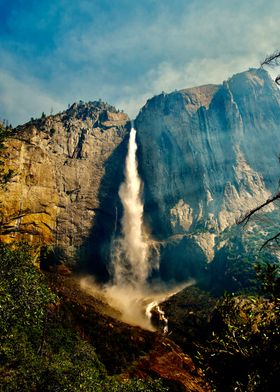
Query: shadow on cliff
x=182, y=260
x=94, y=255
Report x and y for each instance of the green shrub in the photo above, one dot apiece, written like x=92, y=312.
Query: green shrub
x=242, y=353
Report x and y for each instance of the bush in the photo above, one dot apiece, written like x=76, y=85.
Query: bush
x=242, y=353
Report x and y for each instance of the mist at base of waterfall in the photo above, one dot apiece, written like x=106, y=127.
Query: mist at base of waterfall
x=132, y=303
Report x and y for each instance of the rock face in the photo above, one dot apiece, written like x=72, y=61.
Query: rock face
x=207, y=155
x=67, y=169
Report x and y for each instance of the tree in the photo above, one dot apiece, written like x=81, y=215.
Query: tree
x=245, y=219
x=242, y=351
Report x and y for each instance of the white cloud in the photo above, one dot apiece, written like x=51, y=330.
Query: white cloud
x=124, y=60
x=19, y=101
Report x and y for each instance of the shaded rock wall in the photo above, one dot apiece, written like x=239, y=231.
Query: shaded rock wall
x=207, y=155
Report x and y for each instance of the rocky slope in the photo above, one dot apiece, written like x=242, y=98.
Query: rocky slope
x=125, y=350
x=66, y=173
x=207, y=155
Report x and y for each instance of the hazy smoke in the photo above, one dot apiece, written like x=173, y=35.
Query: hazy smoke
x=130, y=256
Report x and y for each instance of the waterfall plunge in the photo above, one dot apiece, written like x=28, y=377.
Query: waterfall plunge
x=128, y=291
x=130, y=252
x=130, y=259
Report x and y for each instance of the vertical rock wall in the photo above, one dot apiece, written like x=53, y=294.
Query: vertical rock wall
x=67, y=170
x=207, y=155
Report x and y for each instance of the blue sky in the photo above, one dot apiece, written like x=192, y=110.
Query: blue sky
x=124, y=51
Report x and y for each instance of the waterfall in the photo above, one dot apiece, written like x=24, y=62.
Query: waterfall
x=130, y=253
x=132, y=261
x=161, y=315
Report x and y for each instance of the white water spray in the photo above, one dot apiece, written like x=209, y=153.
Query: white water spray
x=130, y=259
x=162, y=318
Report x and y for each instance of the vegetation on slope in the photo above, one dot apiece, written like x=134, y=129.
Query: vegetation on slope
x=38, y=352
x=241, y=352
x=236, y=343
x=234, y=338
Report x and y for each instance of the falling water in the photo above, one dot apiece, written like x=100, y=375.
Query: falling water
x=130, y=261
x=162, y=318
x=128, y=291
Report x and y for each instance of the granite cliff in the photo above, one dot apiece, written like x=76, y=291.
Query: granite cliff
x=66, y=173
x=207, y=155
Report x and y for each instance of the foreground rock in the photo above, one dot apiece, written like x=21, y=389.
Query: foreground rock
x=167, y=361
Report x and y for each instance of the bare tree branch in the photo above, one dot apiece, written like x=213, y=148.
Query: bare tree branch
x=273, y=60
x=274, y=238
x=244, y=220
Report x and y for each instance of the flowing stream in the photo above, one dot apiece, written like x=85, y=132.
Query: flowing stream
x=162, y=318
